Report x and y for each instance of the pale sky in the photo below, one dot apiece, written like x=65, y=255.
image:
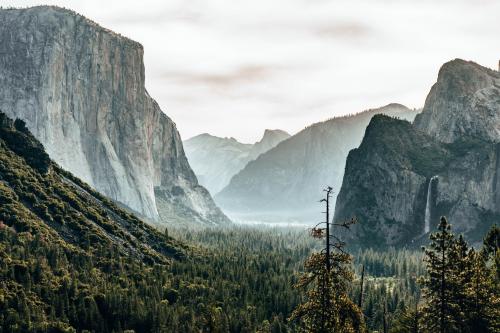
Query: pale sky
x=235, y=67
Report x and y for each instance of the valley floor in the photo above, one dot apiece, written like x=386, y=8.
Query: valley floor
x=265, y=261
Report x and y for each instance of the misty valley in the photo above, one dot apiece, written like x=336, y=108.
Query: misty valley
x=382, y=220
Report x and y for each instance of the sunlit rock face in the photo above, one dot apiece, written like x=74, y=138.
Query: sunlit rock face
x=80, y=89
x=465, y=101
x=287, y=181
x=453, y=142
x=216, y=160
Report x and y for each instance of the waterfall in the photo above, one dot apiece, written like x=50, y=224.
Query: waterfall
x=427, y=226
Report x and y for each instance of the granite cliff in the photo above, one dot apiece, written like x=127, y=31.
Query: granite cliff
x=80, y=89
x=216, y=160
x=404, y=176
x=464, y=102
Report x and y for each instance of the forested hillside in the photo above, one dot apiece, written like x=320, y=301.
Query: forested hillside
x=73, y=261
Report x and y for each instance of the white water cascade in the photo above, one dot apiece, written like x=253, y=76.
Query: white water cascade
x=427, y=226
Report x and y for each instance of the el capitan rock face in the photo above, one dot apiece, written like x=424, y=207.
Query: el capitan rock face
x=80, y=89
x=387, y=183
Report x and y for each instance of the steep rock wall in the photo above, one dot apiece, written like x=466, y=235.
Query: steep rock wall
x=454, y=139
x=80, y=89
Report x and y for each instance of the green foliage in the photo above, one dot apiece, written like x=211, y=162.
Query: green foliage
x=407, y=321
x=441, y=313
x=328, y=307
x=460, y=291
x=492, y=242
x=72, y=261
x=482, y=300
x=18, y=138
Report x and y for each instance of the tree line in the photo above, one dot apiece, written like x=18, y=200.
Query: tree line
x=458, y=290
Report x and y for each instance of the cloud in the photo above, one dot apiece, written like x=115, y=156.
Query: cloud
x=241, y=75
x=344, y=30
x=235, y=67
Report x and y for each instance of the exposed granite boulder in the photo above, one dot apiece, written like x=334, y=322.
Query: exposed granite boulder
x=80, y=89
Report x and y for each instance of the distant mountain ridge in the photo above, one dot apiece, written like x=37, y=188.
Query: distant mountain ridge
x=404, y=176
x=287, y=181
x=216, y=160
x=80, y=89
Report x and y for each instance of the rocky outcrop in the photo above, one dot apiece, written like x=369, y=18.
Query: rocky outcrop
x=270, y=139
x=216, y=160
x=465, y=101
x=388, y=178
x=287, y=181
x=80, y=90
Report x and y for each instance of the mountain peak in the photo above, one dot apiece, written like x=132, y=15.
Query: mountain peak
x=395, y=106
x=448, y=116
x=458, y=65
x=272, y=134
x=216, y=160
x=270, y=131
x=388, y=182
x=270, y=139
x=466, y=74
x=52, y=14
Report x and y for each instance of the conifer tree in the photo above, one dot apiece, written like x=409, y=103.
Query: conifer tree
x=461, y=275
x=439, y=286
x=326, y=280
x=340, y=314
x=492, y=241
x=490, y=247
x=460, y=289
x=483, y=303
x=407, y=321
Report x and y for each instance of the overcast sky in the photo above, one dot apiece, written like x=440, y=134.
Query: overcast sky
x=236, y=67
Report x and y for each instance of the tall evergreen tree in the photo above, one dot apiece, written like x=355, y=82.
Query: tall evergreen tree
x=461, y=276
x=492, y=241
x=326, y=280
x=340, y=314
x=460, y=291
x=483, y=302
x=407, y=321
x=439, y=285
x=490, y=247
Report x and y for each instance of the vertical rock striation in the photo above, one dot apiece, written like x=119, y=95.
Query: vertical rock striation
x=80, y=89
